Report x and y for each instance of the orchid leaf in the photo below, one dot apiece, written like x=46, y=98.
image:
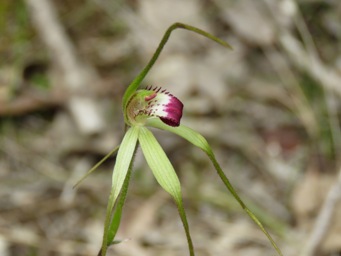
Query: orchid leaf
x=198, y=140
x=123, y=162
x=164, y=174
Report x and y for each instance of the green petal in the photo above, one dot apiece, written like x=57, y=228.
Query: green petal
x=198, y=140
x=123, y=161
x=164, y=174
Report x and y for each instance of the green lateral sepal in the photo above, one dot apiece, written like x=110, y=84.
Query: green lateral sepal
x=164, y=174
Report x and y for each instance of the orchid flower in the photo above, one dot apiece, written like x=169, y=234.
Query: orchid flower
x=155, y=107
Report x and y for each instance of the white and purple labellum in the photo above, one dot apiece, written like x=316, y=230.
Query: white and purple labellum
x=154, y=102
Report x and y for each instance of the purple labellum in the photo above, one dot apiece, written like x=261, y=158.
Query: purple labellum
x=165, y=106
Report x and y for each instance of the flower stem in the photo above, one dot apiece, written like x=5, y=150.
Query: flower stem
x=183, y=217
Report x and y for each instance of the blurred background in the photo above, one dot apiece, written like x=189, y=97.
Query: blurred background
x=269, y=108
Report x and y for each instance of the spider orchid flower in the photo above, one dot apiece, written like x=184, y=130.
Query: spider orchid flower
x=154, y=102
x=155, y=107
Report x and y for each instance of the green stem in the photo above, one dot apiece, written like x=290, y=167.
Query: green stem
x=183, y=217
x=110, y=207
x=137, y=81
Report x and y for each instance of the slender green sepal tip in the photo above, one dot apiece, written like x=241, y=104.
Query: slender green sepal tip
x=96, y=166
